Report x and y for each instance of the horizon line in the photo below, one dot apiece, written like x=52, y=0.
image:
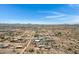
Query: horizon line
x=41, y=24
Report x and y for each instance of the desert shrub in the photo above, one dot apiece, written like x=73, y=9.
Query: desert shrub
x=38, y=52
x=75, y=52
x=69, y=49
x=58, y=34
x=31, y=50
x=36, y=35
x=2, y=37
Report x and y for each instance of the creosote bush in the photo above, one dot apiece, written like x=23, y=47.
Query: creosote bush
x=36, y=35
x=31, y=50
x=58, y=34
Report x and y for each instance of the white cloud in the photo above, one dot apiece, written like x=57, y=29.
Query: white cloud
x=61, y=18
x=70, y=19
x=75, y=19
x=56, y=15
x=50, y=12
x=53, y=16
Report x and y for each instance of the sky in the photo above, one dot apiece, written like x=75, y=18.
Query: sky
x=39, y=13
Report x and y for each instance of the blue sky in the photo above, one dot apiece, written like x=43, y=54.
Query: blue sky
x=39, y=13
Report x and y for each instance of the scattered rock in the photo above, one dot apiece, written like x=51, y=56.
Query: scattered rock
x=2, y=45
x=18, y=46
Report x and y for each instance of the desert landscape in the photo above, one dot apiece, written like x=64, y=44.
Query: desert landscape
x=39, y=39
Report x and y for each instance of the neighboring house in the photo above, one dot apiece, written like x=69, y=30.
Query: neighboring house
x=42, y=42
